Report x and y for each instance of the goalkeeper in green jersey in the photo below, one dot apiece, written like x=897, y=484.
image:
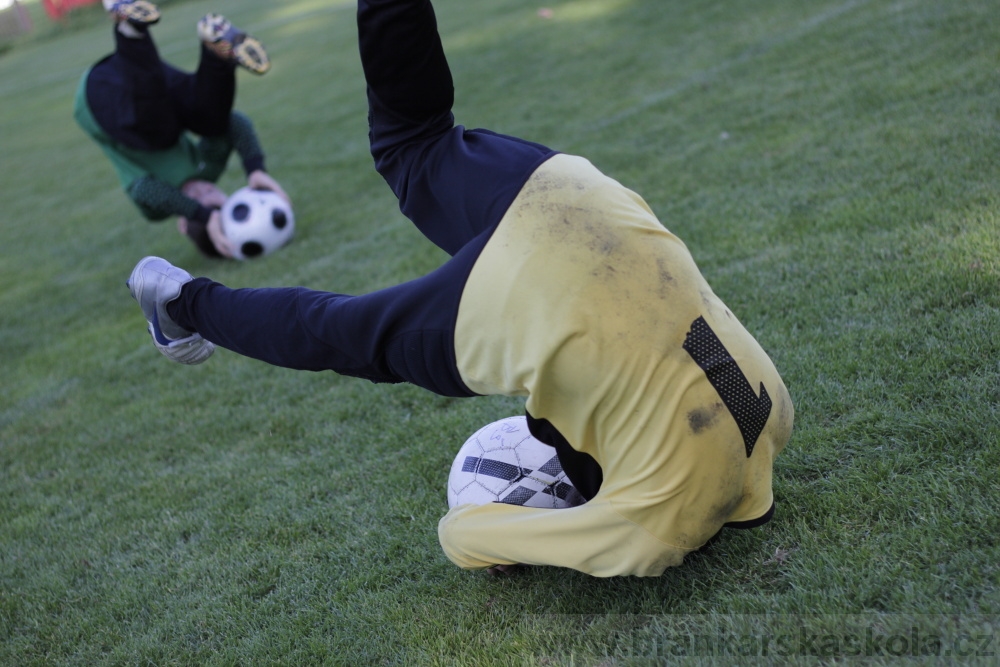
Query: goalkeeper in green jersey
x=169, y=133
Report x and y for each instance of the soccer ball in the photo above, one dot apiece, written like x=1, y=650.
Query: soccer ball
x=503, y=463
x=257, y=222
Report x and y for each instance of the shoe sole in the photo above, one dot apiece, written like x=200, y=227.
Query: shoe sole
x=142, y=13
x=213, y=28
x=250, y=54
x=136, y=283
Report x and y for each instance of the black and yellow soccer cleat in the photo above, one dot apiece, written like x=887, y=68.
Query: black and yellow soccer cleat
x=136, y=12
x=232, y=44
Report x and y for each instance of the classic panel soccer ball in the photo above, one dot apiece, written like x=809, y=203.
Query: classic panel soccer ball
x=257, y=222
x=503, y=463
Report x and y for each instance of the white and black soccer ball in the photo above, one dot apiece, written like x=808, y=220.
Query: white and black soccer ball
x=257, y=222
x=503, y=463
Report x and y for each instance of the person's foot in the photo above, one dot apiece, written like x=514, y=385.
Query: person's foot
x=136, y=12
x=154, y=283
x=232, y=44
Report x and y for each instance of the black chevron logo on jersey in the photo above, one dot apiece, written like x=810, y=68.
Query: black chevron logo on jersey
x=749, y=411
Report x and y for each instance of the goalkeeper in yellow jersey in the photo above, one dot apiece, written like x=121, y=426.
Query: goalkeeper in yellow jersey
x=562, y=287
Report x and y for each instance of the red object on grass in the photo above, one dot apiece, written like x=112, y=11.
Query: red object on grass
x=56, y=9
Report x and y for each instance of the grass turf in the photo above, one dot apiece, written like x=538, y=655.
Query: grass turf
x=832, y=165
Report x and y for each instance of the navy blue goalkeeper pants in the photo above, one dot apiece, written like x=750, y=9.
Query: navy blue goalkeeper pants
x=454, y=184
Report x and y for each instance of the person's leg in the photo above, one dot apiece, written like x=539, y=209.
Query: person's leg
x=452, y=183
x=399, y=334
x=128, y=96
x=203, y=100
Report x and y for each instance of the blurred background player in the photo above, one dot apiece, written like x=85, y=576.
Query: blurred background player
x=562, y=287
x=142, y=112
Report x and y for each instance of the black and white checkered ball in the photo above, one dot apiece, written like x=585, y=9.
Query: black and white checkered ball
x=503, y=463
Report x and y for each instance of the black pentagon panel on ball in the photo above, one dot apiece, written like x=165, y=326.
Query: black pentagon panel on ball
x=252, y=249
x=241, y=212
x=279, y=218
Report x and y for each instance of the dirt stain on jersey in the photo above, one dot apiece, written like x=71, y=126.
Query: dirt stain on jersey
x=700, y=419
x=667, y=280
x=723, y=512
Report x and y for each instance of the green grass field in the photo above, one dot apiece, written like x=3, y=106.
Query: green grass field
x=832, y=165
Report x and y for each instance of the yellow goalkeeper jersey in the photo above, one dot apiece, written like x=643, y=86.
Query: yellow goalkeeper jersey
x=585, y=304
